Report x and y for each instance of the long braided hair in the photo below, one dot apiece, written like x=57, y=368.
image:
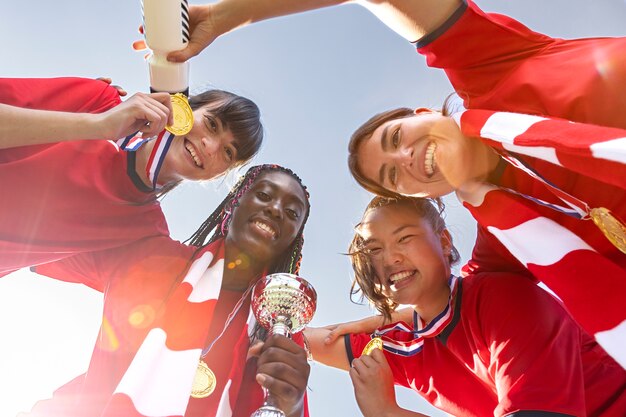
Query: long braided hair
x=218, y=221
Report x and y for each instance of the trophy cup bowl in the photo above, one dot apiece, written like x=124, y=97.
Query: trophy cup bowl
x=284, y=304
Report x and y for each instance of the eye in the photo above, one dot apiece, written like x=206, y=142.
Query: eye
x=293, y=214
x=211, y=123
x=393, y=176
x=230, y=156
x=263, y=196
x=395, y=138
x=405, y=238
x=372, y=250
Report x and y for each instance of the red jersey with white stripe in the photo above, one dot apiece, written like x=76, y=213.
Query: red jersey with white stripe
x=142, y=283
x=69, y=197
x=510, y=347
x=496, y=63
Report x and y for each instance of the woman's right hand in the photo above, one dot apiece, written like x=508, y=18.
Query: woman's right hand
x=146, y=113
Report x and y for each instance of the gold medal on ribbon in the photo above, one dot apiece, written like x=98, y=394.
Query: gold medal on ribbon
x=181, y=114
x=375, y=343
x=611, y=226
x=204, y=381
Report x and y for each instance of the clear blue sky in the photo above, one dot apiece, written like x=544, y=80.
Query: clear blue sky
x=316, y=77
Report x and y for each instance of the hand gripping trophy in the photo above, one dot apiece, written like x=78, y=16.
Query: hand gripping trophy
x=284, y=304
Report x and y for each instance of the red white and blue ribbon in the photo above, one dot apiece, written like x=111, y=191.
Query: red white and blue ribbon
x=162, y=144
x=402, y=340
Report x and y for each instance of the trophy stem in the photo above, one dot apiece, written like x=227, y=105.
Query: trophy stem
x=281, y=326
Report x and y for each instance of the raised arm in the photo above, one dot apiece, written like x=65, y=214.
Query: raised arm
x=410, y=19
x=142, y=112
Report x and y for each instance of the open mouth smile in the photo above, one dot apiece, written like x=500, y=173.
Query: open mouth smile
x=194, y=154
x=265, y=228
x=398, y=279
x=429, y=159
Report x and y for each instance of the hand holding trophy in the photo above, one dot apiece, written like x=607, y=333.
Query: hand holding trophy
x=284, y=304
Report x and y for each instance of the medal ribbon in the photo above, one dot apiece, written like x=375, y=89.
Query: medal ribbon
x=229, y=319
x=578, y=208
x=401, y=340
x=163, y=141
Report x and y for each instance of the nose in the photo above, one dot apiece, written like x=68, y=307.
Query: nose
x=274, y=209
x=208, y=145
x=405, y=157
x=392, y=257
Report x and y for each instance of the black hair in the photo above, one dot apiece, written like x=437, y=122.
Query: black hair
x=291, y=259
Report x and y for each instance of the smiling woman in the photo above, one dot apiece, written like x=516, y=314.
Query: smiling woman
x=474, y=329
x=188, y=307
x=77, y=196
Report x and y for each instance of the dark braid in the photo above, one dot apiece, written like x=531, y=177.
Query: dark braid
x=291, y=259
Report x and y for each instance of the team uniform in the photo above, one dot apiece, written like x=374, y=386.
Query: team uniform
x=162, y=306
x=508, y=349
x=572, y=256
x=496, y=63
x=69, y=197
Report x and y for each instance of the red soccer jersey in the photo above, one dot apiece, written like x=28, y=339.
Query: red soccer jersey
x=510, y=347
x=496, y=63
x=70, y=197
x=138, y=280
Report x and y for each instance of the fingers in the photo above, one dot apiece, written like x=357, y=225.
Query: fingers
x=165, y=100
x=283, y=369
x=108, y=80
x=203, y=33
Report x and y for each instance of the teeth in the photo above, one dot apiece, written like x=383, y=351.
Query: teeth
x=429, y=159
x=400, y=275
x=265, y=227
x=193, y=154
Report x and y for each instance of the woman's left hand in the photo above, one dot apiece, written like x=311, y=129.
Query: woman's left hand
x=283, y=369
x=373, y=384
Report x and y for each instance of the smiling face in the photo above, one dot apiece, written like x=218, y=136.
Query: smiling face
x=424, y=155
x=206, y=152
x=408, y=257
x=269, y=217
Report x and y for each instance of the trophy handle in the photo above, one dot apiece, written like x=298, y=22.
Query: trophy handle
x=281, y=326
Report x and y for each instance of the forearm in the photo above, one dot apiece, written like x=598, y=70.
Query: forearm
x=231, y=14
x=21, y=127
x=332, y=354
x=412, y=19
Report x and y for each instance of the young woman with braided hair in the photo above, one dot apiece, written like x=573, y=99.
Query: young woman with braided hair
x=171, y=310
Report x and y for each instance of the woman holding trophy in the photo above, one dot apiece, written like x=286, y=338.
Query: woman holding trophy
x=175, y=335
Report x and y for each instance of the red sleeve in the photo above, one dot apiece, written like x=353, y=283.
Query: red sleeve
x=70, y=94
x=477, y=49
x=490, y=255
x=85, y=268
x=534, y=347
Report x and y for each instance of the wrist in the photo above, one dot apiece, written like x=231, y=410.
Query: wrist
x=89, y=125
x=226, y=15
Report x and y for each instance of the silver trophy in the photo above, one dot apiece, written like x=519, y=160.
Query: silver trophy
x=284, y=304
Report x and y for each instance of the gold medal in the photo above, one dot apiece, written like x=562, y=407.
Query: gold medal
x=204, y=381
x=611, y=226
x=181, y=114
x=375, y=343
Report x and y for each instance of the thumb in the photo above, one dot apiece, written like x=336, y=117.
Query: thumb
x=193, y=48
